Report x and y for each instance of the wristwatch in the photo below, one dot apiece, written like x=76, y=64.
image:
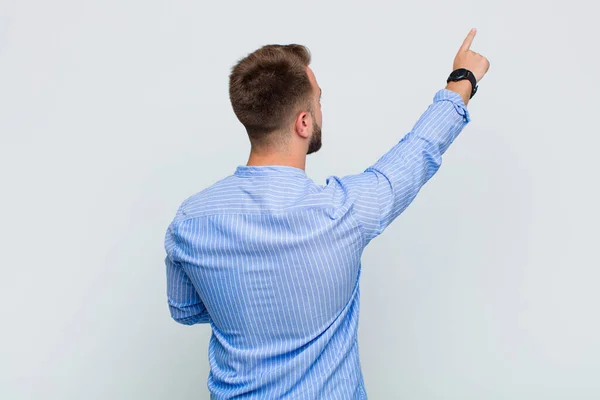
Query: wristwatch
x=462, y=73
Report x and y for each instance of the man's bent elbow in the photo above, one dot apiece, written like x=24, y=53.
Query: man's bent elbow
x=184, y=317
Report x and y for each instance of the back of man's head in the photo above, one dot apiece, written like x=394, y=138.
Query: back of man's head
x=268, y=88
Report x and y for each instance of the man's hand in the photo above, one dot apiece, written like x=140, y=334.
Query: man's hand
x=474, y=62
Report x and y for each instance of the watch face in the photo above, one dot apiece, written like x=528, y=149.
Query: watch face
x=459, y=73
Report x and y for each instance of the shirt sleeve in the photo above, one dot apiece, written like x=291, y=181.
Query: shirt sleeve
x=185, y=305
x=384, y=190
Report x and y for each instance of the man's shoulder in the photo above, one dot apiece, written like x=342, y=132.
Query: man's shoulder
x=206, y=200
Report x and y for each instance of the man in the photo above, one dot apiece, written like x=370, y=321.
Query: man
x=270, y=259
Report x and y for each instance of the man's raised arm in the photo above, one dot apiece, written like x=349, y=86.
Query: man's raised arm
x=380, y=193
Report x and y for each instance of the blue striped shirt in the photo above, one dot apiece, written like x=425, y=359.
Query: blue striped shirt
x=272, y=261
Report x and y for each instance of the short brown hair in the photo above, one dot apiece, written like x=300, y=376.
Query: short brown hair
x=268, y=87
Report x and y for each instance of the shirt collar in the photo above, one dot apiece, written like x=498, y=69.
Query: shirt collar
x=266, y=170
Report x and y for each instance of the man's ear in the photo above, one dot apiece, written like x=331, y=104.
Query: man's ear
x=302, y=124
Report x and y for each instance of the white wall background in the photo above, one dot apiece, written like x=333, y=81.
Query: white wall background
x=113, y=112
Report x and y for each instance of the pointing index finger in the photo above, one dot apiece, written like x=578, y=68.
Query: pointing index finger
x=468, y=40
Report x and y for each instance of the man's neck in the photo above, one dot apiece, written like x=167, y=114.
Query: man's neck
x=276, y=159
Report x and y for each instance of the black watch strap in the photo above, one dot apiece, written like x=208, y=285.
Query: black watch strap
x=462, y=73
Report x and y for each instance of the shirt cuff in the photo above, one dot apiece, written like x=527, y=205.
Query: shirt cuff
x=456, y=100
